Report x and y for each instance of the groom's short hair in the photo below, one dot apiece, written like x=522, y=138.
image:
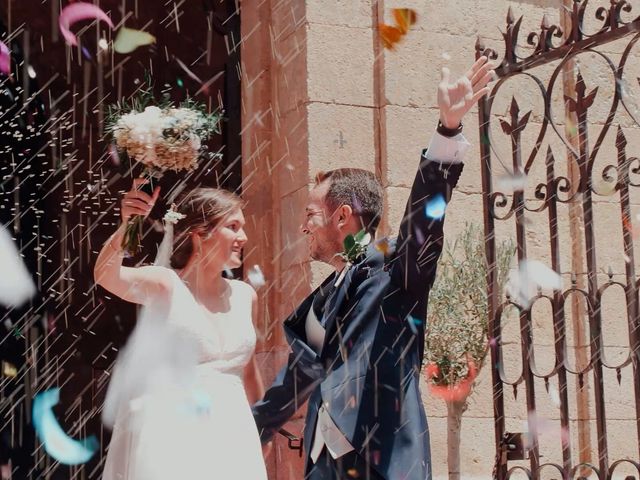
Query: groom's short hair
x=360, y=189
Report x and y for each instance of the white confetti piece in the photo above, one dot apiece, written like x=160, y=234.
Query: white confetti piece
x=516, y=182
x=16, y=285
x=525, y=281
x=554, y=395
x=256, y=277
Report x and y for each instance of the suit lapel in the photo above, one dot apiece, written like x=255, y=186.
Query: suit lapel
x=374, y=260
x=332, y=309
x=296, y=321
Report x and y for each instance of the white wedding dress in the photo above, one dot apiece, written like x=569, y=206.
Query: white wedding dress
x=186, y=419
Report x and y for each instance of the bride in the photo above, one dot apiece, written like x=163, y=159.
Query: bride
x=180, y=393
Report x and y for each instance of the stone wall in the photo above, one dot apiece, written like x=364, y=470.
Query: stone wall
x=319, y=92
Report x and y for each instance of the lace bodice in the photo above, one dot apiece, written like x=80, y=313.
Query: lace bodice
x=225, y=341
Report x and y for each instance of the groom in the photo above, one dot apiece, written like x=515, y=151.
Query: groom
x=358, y=340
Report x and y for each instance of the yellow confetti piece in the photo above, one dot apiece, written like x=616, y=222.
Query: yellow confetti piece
x=9, y=370
x=129, y=39
x=382, y=246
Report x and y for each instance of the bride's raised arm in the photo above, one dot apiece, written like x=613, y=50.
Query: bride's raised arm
x=136, y=285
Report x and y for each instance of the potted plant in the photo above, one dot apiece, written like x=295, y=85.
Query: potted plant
x=456, y=338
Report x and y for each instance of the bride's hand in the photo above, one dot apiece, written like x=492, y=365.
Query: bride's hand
x=137, y=202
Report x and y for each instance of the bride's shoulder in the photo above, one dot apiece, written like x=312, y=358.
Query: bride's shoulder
x=242, y=288
x=161, y=276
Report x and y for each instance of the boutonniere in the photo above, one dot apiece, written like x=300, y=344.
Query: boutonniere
x=355, y=246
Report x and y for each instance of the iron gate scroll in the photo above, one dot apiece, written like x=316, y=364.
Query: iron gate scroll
x=555, y=52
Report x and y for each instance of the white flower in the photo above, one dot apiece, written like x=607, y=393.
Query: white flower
x=172, y=216
x=153, y=111
x=162, y=139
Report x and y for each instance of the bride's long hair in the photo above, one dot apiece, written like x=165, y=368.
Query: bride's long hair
x=203, y=209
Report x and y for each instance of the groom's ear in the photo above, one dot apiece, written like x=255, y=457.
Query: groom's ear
x=344, y=215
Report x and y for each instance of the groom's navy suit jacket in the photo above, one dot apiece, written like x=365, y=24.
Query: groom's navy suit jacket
x=368, y=370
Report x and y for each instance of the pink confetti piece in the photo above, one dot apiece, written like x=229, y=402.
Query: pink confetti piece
x=76, y=12
x=5, y=59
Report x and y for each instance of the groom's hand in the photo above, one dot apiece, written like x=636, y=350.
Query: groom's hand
x=456, y=99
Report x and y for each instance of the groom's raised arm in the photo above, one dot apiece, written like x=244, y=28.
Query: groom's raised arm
x=421, y=237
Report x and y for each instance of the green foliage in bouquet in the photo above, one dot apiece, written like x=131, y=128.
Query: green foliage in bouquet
x=160, y=136
x=458, y=314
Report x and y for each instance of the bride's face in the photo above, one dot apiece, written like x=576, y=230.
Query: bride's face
x=223, y=245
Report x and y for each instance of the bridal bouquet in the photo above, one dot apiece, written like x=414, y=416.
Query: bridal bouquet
x=161, y=137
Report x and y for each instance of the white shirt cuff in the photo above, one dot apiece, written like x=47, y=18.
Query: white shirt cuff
x=447, y=149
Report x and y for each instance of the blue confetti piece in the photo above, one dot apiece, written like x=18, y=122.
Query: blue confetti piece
x=202, y=402
x=435, y=207
x=198, y=403
x=56, y=442
x=413, y=323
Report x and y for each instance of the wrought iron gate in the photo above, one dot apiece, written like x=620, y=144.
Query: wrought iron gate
x=555, y=52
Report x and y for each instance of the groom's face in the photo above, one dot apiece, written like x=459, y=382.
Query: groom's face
x=323, y=235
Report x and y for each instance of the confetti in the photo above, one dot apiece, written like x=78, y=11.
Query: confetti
x=536, y=427
x=5, y=59
x=555, y=396
x=75, y=12
x=629, y=227
x=198, y=403
x=436, y=207
x=404, y=17
x=256, y=278
x=56, y=442
x=128, y=39
x=188, y=71
x=113, y=154
x=17, y=287
x=382, y=246
x=523, y=283
x=391, y=35
x=515, y=182
x=9, y=370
